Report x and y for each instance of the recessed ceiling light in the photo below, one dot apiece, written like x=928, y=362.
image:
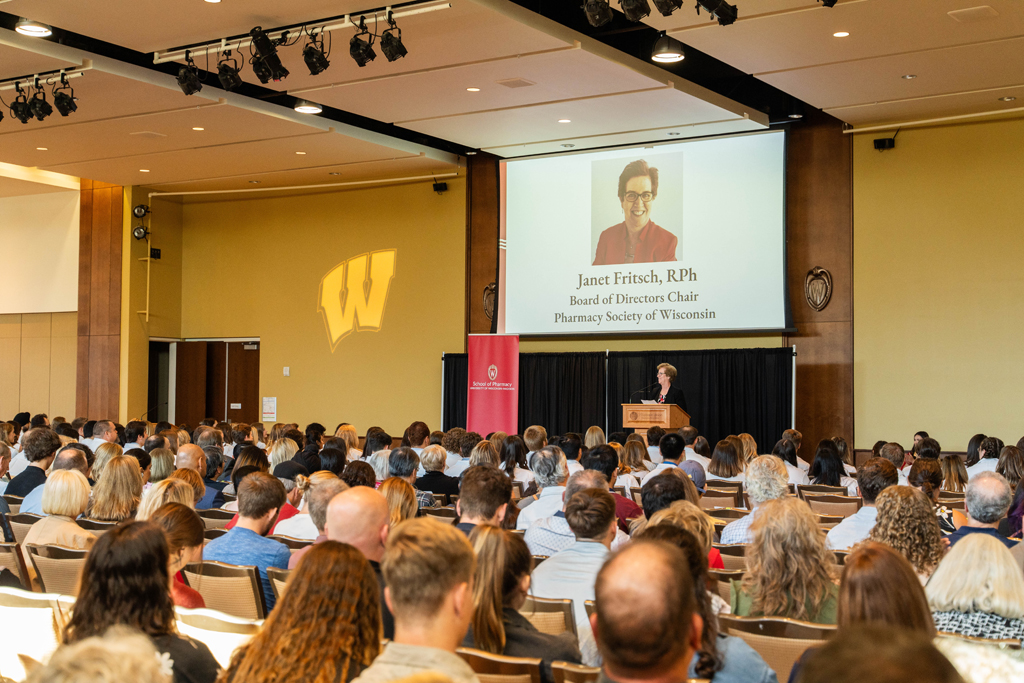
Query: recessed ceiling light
x=841, y=34
x=674, y=133
x=300, y=152
x=667, y=50
x=909, y=77
x=1008, y=98
x=197, y=128
x=304, y=107
x=213, y=1
x=333, y=173
x=41, y=149
x=473, y=89
x=143, y=170
x=469, y=154
x=568, y=145
x=255, y=182
x=34, y=29
x=564, y=121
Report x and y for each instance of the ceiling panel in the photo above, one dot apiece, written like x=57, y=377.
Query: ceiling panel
x=932, y=107
x=15, y=63
x=15, y=187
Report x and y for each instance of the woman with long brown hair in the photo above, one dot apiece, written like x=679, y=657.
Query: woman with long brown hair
x=631, y=459
x=185, y=537
x=117, y=495
x=326, y=627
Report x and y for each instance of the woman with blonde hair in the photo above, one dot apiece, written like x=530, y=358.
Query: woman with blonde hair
x=104, y=452
x=276, y=433
x=497, y=439
x=484, y=453
x=161, y=465
x=350, y=436
x=594, y=437
x=631, y=459
x=686, y=515
x=401, y=499
x=501, y=584
x=193, y=479
x=749, y=447
x=163, y=492
x=790, y=571
x=117, y=495
x=183, y=437
x=65, y=497
x=907, y=524
x=282, y=450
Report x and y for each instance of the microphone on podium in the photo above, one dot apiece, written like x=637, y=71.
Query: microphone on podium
x=649, y=386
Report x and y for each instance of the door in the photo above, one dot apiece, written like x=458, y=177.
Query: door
x=243, y=382
x=190, y=384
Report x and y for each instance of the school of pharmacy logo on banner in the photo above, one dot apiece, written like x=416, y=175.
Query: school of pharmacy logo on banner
x=492, y=403
x=354, y=293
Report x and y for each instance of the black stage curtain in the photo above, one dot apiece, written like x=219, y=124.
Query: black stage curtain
x=727, y=391
x=564, y=392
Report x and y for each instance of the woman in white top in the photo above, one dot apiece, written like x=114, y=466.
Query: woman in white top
x=726, y=462
x=631, y=458
x=348, y=434
x=786, y=451
x=513, y=459
x=827, y=468
x=846, y=455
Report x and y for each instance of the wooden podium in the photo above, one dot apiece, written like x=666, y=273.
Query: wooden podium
x=643, y=416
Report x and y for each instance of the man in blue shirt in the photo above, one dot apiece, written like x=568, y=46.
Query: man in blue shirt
x=260, y=497
x=68, y=458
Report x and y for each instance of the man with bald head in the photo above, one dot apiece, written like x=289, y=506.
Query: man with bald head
x=645, y=630
x=359, y=517
x=191, y=457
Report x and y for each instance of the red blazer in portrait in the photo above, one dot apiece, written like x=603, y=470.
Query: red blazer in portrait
x=656, y=244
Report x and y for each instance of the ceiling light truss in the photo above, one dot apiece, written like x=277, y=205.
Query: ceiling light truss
x=46, y=77
x=324, y=26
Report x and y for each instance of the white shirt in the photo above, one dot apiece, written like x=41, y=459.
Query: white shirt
x=983, y=465
x=903, y=478
x=18, y=464
x=656, y=471
x=354, y=454
x=654, y=453
x=548, y=502
x=699, y=459
x=714, y=477
x=458, y=468
x=573, y=466
x=93, y=443
x=805, y=466
x=449, y=461
x=850, y=469
x=299, y=526
x=796, y=475
x=521, y=475
x=853, y=529
x=851, y=485
x=630, y=482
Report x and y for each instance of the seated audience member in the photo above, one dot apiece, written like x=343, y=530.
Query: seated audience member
x=796, y=438
x=39, y=447
x=118, y=494
x=359, y=473
x=536, y=437
x=161, y=465
x=750, y=448
x=549, y=535
x=978, y=590
x=156, y=441
x=645, y=630
x=828, y=469
x=289, y=474
x=450, y=443
x=570, y=573
x=185, y=537
x=691, y=437
x=166, y=491
x=104, y=453
x=954, y=473
x=987, y=500
x=722, y=658
x=894, y=453
x=250, y=456
x=973, y=448
x=145, y=463
x=789, y=569
x=896, y=656
x=212, y=478
x=926, y=476
x=318, y=498
x=378, y=460
x=125, y=582
x=485, y=497
x=551, y=474
x=603, y=459
x=1014, y=517
x=671, y=453
x=874, y=476
x=309, y=455
x=726, y=462
x=594, y=437
x=284, y=450
x=632, y=467
x=434, y=480
x=103, y=431
x=500, y=587
x=332, y=459
x=846, y=454
x=68, y=458
x=766, y=479
x=907, y=524
x=359, y=517
x=401, y=498
x=260, y=498
x=135, y=434
x=350, y=436
x=416, y=437
x=65, y=498
x=331, y=607
x=786, y=452
x=513, y=460
x=572, y=445
x=428, y=568
x=403, y=463
x=1011, y=465
x=695, y=473
x=665, y=489
x=120, y=654
x=484, y=453
x=195, y=480
x=634, y=453
x=377, y=440
x=192, y=457
x=988, y=457
x=654, y=435
x=686, y=515
x=927, y=448
x=436, y=437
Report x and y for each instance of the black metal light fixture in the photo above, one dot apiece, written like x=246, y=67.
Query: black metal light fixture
x=360, y=48
x=314, y=54
x=39, y=106
x=635, y=10
x=667, y=50
x=64, y=97
x=140, y=232
x=227, y=72
x=20, y=108
x=188, y=76
x=719, y=9
x=598, y=12
x=828, y=3
x=391, y=40
x=266, y=63
x=667, y=7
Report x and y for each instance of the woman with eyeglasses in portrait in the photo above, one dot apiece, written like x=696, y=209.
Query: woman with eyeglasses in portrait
x=637, y=239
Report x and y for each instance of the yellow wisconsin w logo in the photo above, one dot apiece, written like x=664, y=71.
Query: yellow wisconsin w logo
x=353, y=294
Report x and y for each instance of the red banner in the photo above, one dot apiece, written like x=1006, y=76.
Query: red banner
x=493, y=404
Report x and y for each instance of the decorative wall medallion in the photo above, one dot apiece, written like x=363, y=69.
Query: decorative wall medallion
x=818, y=288
x=489, y=292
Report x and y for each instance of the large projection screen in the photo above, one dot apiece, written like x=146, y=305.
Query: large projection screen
x=701, y=250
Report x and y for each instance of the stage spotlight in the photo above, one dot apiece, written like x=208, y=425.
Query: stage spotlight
x=719, y=9
x=64, y=97
x=828, y=3
x=635, y=10
x=667, y=50
x=188, y=76
x=598, y=12
x=39, y=106
x=266, y=62
x=361, y=49
x=227, y=73
x=20, y=108
x=391, y=41
x=314, y=56
x=32, y=29
x=667, y=7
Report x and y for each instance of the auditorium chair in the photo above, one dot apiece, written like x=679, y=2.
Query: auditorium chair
x=820, y=488
x=21, y=524
x=215, y=518
x=491, y=668
x=840, y=557
x=951, y=495
x=440, y=499
x=517, y=490
x=13, y=502
x=828, y=504
x=537, y=559
x=12, y=559
x=278, y=580
x=954, y=504
x=779, y=641
x=57, y=568
x=1002, y=643
x=826, y=522
x=222, y=633
x=228, y=498
x=232, y=589
x=95, y=526
x=292, y=542
x=722, y=578
x=447, y=515
x=552, y=616
x=565, y=672
x=721, y=498
x=734, y=556
x=728, y=513
x=590, y=606
x=621, y=490
x=29, y=627
x=211, y=534
x=720, y=525
x=722, y=484
x=637, y=497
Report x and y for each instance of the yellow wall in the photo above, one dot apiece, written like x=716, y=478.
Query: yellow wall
x=38, y=353
x=938, y=284
x=252, y=268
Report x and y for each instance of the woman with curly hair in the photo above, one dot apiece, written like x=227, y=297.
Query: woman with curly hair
x=907, y=524
x=790, y=572
x=325, y=629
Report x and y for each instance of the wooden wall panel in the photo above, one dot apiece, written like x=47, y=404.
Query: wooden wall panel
x=216, y=379
x=819, y=206
x=481, y=237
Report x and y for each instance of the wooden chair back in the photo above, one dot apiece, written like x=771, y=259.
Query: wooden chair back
x=97, y=527
x=637, y=498
x=833, y=505
x=491, y=668
x=59, y=569
x=12, y=559
x=590, y=606
x=727, y=485
x=215, y=518
x=550, y=616
x=952, y=495
x=728, y=513
x=517, y=490
x=440, y=499
x=565, y=672
x=292, y=542
x=734, y=557
x=447, y=515
x=278, y=580
x=30, y=627
x=722, y=579
x=621, y=490
x=13, y=502
x=820, y=488
x=220, y=632
x=778, y=640
x=721, y=498
x=954, y=504
x=211, y=534
x=828, y=521
x=537, y=559
x=231, y=589
x=20, y=524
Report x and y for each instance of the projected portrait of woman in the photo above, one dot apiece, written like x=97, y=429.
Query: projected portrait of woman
x=637, y=239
